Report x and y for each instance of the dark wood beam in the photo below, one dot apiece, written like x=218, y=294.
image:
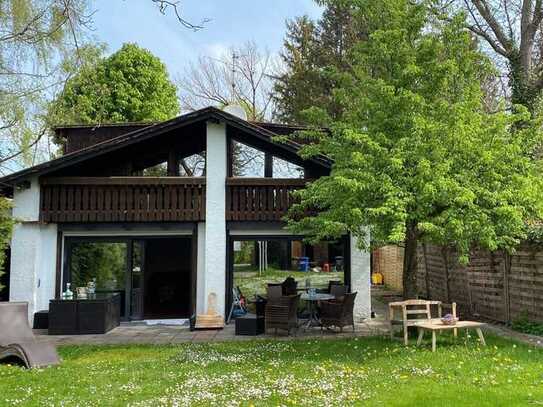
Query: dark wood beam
x=173, y=163
x=268, y=165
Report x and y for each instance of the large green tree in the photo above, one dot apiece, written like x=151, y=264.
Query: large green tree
x=416, y=156
x=131, y=85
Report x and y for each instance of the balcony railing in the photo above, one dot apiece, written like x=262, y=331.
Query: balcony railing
x=259, y=199
x=122, y=199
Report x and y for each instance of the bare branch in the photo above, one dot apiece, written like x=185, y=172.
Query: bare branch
x=164, y=5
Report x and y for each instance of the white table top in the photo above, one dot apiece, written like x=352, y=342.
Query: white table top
x=317, y=297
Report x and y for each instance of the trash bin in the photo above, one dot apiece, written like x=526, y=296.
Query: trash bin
x=303, y=264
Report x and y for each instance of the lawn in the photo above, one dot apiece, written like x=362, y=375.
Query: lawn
x=364, y=371
x=250, y=282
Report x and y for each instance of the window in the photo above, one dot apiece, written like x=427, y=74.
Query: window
x=159, y=170
x=286, y=169
x=256, y=263
x=103, y=261
x=193, y=166
x=247, y=161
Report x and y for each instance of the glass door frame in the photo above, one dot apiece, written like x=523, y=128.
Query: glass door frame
x=129, y=240
x=69, y=241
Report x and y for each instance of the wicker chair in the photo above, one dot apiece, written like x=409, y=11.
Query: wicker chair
x=332, y=283
x=274, y=292
x=338, y=291
x=282, y=313
x=289, y=286
x=338, y=313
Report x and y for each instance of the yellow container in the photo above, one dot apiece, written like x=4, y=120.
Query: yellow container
x=377, y=278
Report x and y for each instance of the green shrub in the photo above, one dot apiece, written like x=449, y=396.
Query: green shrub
x=524, y=325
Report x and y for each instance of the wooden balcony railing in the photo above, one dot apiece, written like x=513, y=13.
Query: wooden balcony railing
x=122, y=199
x=259, y=199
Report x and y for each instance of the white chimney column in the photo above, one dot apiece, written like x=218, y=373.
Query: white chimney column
x=214, y=279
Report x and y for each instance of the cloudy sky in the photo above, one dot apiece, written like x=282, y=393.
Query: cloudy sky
x=233, y=22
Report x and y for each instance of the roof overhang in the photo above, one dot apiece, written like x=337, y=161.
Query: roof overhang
x=203, y=115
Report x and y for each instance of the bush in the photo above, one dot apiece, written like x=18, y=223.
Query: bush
x=524, y=325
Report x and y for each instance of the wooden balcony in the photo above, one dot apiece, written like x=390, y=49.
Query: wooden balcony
x=122, y=199
x=259, y=199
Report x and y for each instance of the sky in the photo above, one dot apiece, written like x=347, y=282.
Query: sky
x=232, y=23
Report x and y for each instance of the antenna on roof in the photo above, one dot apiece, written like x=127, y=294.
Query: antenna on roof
x=235, y=57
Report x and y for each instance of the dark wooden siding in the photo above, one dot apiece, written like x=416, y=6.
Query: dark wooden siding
x=122, y=199
x=259, y=199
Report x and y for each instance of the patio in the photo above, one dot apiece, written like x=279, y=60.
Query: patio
x=140, y=333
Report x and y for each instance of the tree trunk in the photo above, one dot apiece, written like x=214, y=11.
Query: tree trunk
x=410, y=262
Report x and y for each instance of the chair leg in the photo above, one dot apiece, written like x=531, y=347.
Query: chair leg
x=421, y=334
x=405, y=336
x=391, y=331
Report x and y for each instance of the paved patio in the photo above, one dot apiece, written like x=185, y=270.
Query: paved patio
x=139, y=333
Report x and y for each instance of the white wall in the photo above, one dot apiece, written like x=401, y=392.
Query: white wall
x=215, y=225
x=360, y=279
x=33, y=252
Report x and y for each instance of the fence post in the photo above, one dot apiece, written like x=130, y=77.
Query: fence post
x=426, y=271
x=444, y=251
x=468, y=284
x=506, y=296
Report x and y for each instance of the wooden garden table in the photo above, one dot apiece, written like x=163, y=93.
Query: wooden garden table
x=438, y=326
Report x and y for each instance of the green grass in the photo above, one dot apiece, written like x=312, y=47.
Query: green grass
x=250, y=283
x=363, y=371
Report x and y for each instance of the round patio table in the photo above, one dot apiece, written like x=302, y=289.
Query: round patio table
x=311, y=305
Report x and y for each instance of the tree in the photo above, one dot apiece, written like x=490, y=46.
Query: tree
x=312, y=52
x=417, y=158
x=131, y=85
x=512, y=29
x=36, y=36
x=243, y=76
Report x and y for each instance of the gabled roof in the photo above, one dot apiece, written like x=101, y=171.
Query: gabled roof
x=145, y=133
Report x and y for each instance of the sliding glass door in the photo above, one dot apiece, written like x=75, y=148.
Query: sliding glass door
x=115, y=264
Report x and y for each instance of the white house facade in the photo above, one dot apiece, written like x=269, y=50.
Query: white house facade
x=172, y=243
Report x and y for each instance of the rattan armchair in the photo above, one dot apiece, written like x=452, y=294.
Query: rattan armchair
x=282, y=313
x=338, y=314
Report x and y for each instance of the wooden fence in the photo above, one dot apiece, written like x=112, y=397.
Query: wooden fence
x=122, y=199
x=494, y=285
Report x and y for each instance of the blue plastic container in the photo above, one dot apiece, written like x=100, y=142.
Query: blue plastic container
x=304, y=264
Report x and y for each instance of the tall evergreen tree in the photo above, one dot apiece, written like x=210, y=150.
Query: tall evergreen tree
x=312, y=55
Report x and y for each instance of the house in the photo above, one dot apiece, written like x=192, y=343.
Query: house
x=122, y=201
